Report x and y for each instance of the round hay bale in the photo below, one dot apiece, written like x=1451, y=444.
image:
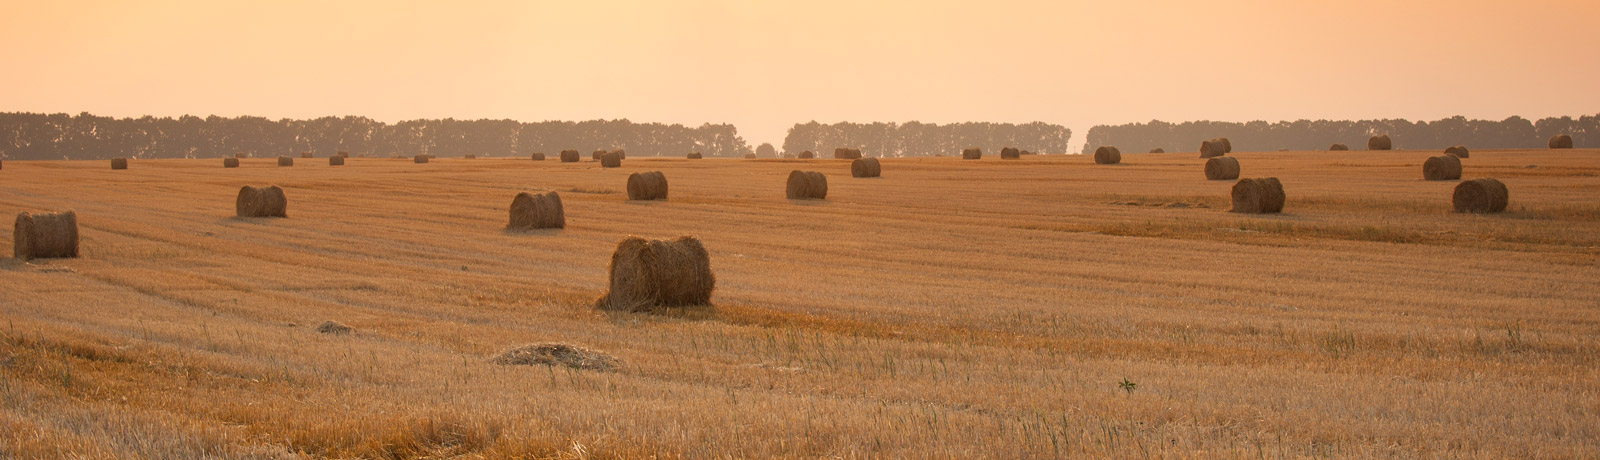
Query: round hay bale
x=230, y=162
x=973, y=153
x=266, y=201
x=556, y=354
x=597, y=155
x=1010, y=153
x=537, y=156
x=1107, y=155
x=1227, y=145
x=657, y=273
x=806, y=155
x=651, y=185
x=45, y=235
x=343, y=154
x=695, y=156
x=335, y=161
x=749, y=156
x=807, y=185
x=420, y=159
x=1442, y=167
x=1338, y=147
x=335, y=328
x=843, y=153
x=611, y=160
x=1158, y=150
x=470, y=156
x=537, y=210
x=1561, y=141
x=1026, y=153
x=1258, y=196
x=241, y=155
x=621, y=154
x=570, y=156
x=119, y=163
x=1213, y=148
x=1222, y=168
x=865, y=167
x=1380, y=142
x=285, y=161
x=1480, y=196
x=305, y=154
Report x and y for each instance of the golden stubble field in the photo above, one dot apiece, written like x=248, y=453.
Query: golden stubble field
x=950, y=309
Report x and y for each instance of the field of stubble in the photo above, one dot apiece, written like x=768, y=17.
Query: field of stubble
x=1034, y=308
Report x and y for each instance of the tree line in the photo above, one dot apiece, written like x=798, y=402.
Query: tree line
x=1514, y=132
x=37, y=136
x=924, y=139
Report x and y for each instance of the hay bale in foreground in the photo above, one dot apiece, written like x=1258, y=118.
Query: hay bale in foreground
x=650, y=185
x=230, y=162
x=806, y=155
x=807, y=185
x=1107, y=155
x=537, y=156
x=1380, y=142
x=1338, y=147
x=1442, y=167
x=119, y=163
x=285, y=161
x=45, y=235
x=695, y=156
x=1459, y=151
x=556, y=354
x=865, y=167
x=570, y=156
x=1010, y=153
x=1158, y=150
x=1213, y=148
x=1258, y=196
x=1222, y=168
x=611, y=160
x=1561, y=141
x=266, y=201
x=1480, y=196
x=658, y=273
x=537, y=210
x=335, y=161
x=335, y=327
x=420, y=159
x=973, y=153
x=843, y=153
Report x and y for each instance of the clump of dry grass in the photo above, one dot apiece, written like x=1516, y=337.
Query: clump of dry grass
x=1484, y=195
x=972, y=153
x=650, y=185
x=537, y=210
x=658, y=273
x=1258, y=196
x=266, y=201
x=335, y=327
x=807, y=185
x=556, y=354
x=1442, y=167
x=45, y=235
x=1107, y=155
x=865, y=167
x=1380, y=142
x=1222, y=168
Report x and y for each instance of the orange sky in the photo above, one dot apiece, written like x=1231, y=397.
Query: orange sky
x=764, y=65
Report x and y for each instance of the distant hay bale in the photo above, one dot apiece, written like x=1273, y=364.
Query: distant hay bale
x=972, y=153
x=1026, y=153
x=570, y=156
x=556, y=354
x=470, y=156
x=1480, y=196
x=230, y=162
x=1107, y=155
x=611, y=160
x=658, y=273
x=1222, y=168
x=1380, y=142
x=266, y=201
x=335, y=328
x=1442, y=167
x=537, y=210
x=621, y=154
x=343, y=154
x=597, y=155
x=806, y=155
x=865, y=167
x=1213, y=148
x=119, y=163
x=45, y=235
x=1227, y=145
x=335, y=161
x=846, y=153
x=285, y=161
x=305, y=154
x=420, y=159
x=537, y=156
x=1010, y=153
x=1459, y=151
x=430, y=156
x=1338, y=147
x=695, y=156
x=1158, y=150
x=807, y=185
x=749, y=156
x=1258, y=196
x=1561, y=141
x=651, y=185
x=241, y=155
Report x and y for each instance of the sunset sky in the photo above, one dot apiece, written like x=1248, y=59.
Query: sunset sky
x=765, y=65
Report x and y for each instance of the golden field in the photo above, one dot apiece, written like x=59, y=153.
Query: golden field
x=950, y=309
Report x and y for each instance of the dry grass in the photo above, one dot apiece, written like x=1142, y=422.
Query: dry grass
x=996, y=321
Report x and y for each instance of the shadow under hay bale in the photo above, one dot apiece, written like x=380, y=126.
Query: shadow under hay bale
x=335, y=327
x=972, y=154
x=1214, y=148
x=1459, y=151
x=537, y=210
x=647, y=274
x=807, y=155
x=807, y=185
x=1442, y=167
x=843, y=153
x=45, y=235
x=230, y=162
x=335, y=161
x=570, y=156
x=556, y=354
x=1222, y=168
x=537, y=157
x=651, y=185
x=611, y=160
x=1010, y=153
x=1338, y=147
x=865, y=167
x=119, y=163
x=695, y=156
x=285, y=161
x=1380, y=142
x=1107, y=155
x=1258, y=196
x=1158, y=150
x=266, y=201
x=1480, y=196
x=1561, y=141
x=420, y=159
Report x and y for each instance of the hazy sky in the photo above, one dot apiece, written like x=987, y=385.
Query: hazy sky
x=764, y=65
